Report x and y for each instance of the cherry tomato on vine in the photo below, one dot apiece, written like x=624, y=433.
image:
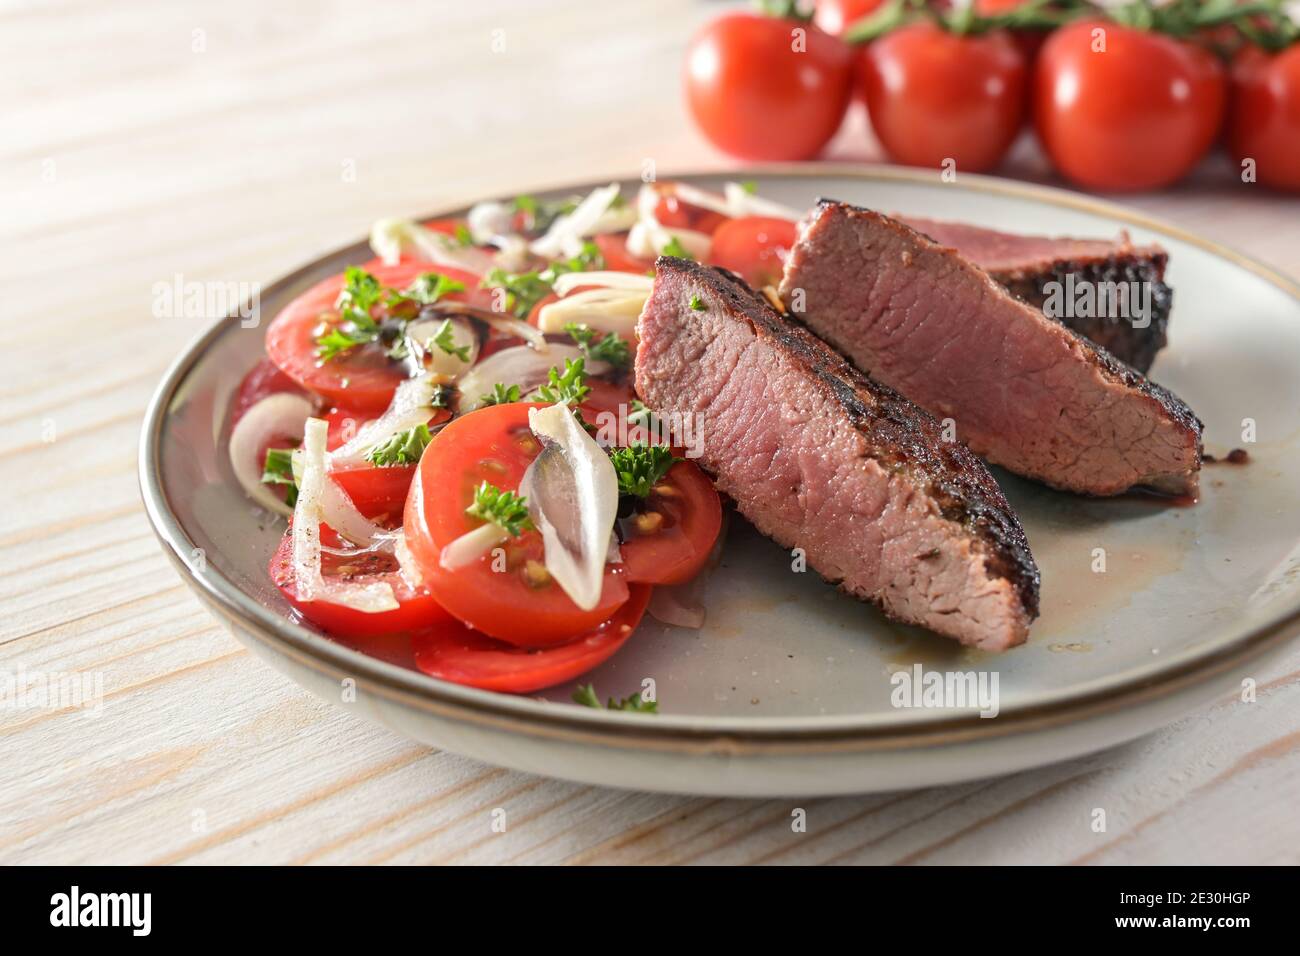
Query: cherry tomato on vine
x=1264, y=122
x=767, y=87
x=934, y=96
x=1137, y=113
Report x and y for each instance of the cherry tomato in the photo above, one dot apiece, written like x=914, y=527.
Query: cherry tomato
x=362, y=378
x=759, y=90
x=1029, y=40
x=1264, y=123
x=518, y=602
x=416, y=608
x=671, y=536
x=836, y=16
x=454, y=652
x=1137, y=116
x=934, y=96
x=754, y=248
x=613, y=248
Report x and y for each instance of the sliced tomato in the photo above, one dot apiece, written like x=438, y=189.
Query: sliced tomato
x=453, y=652
x=670, y=537
x=613, y=249
x=500, y=595
x=378, y=491
x=675, y=213
x=417, y=607
x=264, y=380
x=363, y=378
x=754, y=248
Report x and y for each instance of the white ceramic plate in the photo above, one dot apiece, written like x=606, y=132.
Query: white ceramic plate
x=787, y=689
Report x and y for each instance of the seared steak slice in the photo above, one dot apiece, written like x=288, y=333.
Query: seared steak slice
x=820, y=457
x=1030, y=265
x=1024, y=391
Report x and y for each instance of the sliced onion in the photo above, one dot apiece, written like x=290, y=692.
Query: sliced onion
x=419, y=338
x=371, y=597
x=471, y=546
x=338, y=511
x=677, y=606
x=390, y=238
x=649, y=237
x=566, y=233
x=499, y=321
x=741, y=202
x=512, y=253
x=518, y=365
x=572, y=493
x=411, y=406
x=645, y=241
x=606, y=310
x=488, y=220
x=273, y=417
x=568, y=281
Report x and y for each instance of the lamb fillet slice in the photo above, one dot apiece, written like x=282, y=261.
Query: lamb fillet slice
x=818, y=456
x=1025, y=391
x=1029, y=265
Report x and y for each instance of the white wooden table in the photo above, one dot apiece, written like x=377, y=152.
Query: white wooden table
x=235, y=140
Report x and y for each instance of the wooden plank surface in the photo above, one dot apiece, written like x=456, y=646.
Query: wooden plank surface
x=218, y=142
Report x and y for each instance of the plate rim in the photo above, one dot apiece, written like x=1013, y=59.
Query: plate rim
x=735, y=735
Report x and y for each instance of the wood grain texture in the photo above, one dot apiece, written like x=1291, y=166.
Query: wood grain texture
x=209, y=140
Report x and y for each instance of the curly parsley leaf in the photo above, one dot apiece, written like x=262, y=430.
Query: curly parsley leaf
x=569, y=388
x=278, y=470
x=501, y=395
x=697, y=304
x=404, y=448
x=503, y=508
x=634, y=703
x=360, y=294
x=640, y=414
x=525, y=289
x=445, y=340
x=640, y=467
x=674, y=247
x=611, y=348
x=429, y=287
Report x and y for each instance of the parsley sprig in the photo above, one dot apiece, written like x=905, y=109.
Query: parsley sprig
x=525, y=289
x=501, y=395
x=640, y=466
x=674, y=247
x=362, y=294
x=503, y=508
x=586, y=696
x=278, y=470
x=567, y=388
x=404, y=448
x=610, y=348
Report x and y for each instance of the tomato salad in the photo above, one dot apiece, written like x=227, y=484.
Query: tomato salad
x=451, y=431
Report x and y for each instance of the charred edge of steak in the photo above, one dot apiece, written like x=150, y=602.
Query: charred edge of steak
x=1173, y=406
x=906, y=438
x=1134, y=346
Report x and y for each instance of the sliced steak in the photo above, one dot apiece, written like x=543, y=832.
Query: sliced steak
x=819, y=457
x=1024, y=391
x=1034, y=267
